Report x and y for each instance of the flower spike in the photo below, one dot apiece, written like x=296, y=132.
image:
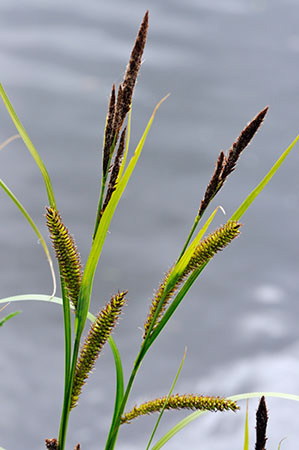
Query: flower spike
x=66, y=253
x=188, y=401
x=203, y=252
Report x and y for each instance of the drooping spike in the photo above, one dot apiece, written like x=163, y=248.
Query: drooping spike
x=95, y=341
x=188, y=401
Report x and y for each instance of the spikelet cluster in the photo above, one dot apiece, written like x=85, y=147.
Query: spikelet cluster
x=188, y=401
x=261, y=425
x=119, y=105
x=156, y=300
x=96, y=339
x=205, y=250
x=118, y=108
x=212, y=244
x=115, y=169
x=109, y=131
x=51, y=444
x=66, y=253
x=226, y=164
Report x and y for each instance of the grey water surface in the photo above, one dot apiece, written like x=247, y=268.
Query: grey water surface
x=222, y=61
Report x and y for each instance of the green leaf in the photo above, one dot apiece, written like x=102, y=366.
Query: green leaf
x=6, y=318
x=252, y=196
x=183, y=423
x=34, y=227
x=29, y=145
x=119, y=393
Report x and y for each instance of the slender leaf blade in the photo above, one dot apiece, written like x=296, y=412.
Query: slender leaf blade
x=252, y=196
x=246, y=431
x=9, y=316
x=29, y=145
x=169, y=394
x=35, y=229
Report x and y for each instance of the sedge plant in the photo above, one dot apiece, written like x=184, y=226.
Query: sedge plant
x=76, y=278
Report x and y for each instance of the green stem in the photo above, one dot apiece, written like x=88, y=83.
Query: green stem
x=113, y=433
x=68, y=395
x=67, y=332
x=175, y=303
x=197, y=219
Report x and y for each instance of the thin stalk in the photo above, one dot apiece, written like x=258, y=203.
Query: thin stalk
x=166, y=401
x=68, y=394
x=113, y=432
x=197, y=219
x=29, y=145
x=174, y=304
x=196, y=222
x=112, y=436
x=67, y=335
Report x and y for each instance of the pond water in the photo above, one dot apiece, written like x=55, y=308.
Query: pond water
x=222, y=61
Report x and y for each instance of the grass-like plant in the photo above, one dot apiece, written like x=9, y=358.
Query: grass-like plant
x=76, y=279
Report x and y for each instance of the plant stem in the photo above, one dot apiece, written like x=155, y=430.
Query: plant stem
x=197, y=219
x=67, y=398
x=112, y=436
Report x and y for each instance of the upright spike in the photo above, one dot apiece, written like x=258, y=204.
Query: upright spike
x=211, y=245
x=109, y=132
x=134, y=65
x=204, y=251
x=213, y=185
x=66, y=253
x=241, y=143
x=261, y=425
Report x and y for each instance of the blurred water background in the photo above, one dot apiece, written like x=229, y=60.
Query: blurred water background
x=222, y=61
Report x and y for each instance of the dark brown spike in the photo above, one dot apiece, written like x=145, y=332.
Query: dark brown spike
x=51, y=444
x=115, y=169
x=134, y=66
x=109, y=130
x=117, y=123
x=213, y=185
x=241, y=143
x=77, y=447
x=261, y=425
